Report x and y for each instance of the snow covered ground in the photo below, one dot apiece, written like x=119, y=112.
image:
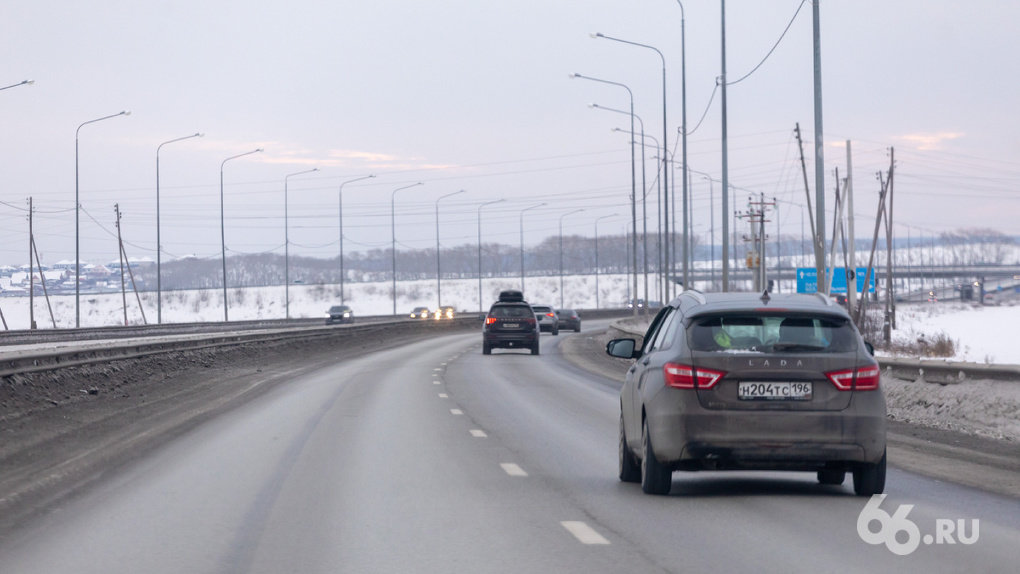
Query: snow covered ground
x=983, y=334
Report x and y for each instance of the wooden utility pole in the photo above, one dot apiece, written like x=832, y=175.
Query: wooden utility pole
x=120, y=253
x=889, y=240
x=819, y=247
x=31, y=282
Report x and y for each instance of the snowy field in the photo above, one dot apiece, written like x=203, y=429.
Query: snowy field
x=980, y=332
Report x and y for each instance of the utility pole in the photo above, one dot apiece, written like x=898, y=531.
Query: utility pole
x=818, y=247
x=890, y=301
x=819, y=143
x=31, y=277
x=851, y=272
x=120, y=253
x=725, y=163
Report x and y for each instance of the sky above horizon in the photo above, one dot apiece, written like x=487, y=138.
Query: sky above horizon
x=475, y=96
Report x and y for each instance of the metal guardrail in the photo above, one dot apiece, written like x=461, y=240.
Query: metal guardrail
x=927, y=370
x=50, y=360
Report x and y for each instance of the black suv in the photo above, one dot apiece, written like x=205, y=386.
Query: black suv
x=510, y=324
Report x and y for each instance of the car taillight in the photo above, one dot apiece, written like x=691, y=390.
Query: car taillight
x=867, y=378
x=682, y=376
x=550, y=314
x=530, y=321
x=490, y=320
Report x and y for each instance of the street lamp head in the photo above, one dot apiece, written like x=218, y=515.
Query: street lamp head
x=596, y=35
x=126, y=113
x=29, y=82
x=593, y=106
x=573, y=76
x=259, y=150
x=200, y=135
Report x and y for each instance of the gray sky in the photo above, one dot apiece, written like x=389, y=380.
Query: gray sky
x=475, y=95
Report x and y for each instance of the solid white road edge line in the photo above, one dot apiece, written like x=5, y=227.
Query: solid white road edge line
x=584, y=533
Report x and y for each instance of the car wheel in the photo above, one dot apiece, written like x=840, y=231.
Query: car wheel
x=534, y=347
x=556, y=331
x=630, y=471
x=831, y=476
x=869, y=479
x=486, y=349
x=655, y=478
x=577, y=329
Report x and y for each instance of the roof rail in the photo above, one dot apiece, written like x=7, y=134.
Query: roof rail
x=825, y=299
x=698, y=296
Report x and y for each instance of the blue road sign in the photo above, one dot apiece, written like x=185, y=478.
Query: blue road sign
x=807, y=280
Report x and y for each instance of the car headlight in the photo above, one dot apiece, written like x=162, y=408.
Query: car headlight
x=347, y=314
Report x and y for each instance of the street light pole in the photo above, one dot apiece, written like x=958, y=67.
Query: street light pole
x=159, y=245
x=665, y=171
x=21, y=83
x=561, y=252
x=522, y=241
x=480, y=308
x=633, y=177
x=286, y=238
x=597, y=219
x=341, y=204
x=439, y=269
x=393, y=238
x=223, y=233
x=77, y=208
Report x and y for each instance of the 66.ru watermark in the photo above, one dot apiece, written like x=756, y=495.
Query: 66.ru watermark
x=947, y=531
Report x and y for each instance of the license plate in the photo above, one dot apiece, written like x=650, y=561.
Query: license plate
x=762, y=391
x=511, y=325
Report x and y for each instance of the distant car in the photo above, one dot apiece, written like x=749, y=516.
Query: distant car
x=569, y=319
x=510, y=325
x=339, y=314
x=443, y=313
x=420, y=313
x=737, y=381
x=547, y=318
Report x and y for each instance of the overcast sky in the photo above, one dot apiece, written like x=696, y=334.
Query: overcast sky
x=475, y=95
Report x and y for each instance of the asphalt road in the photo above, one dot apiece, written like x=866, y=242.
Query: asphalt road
x=434, y=458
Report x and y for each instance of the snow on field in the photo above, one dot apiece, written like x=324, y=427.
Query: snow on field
x=982, y=333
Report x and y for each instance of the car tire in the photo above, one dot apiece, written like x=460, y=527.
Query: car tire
x=556, y=331
x=655, y=478
x=577, y=329
x=869, y=479
x=630, y=470
x=534, y=347
x=486, y=349
x=831, y=476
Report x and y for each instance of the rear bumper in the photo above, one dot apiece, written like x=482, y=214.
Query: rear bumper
x=794, y=440
x=510, y=341
x=543, y=326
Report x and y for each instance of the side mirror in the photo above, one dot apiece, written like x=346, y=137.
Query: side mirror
x=482, y=317
x=870, y=348
x=621, y=348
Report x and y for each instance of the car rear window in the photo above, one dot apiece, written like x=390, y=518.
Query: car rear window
x=541, y=309
x=510, y=311
x=772, y=334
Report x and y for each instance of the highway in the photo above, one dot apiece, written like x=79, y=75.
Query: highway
x=430, y=457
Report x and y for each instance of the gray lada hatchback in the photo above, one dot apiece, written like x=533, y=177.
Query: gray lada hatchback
x=745, y=381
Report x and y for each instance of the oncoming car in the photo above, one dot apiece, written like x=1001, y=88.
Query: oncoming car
x=443, y=313
x=339, y=314
x=740, y=381
x=420, y=313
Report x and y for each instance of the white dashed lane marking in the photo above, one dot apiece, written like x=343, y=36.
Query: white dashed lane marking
x=478, y=433
x=456, y=412
x=512, y=469
x=584, y=533
x=443, y=395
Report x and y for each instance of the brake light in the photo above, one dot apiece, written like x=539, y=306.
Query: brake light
x=683, y=376
x=490, y=320
x=550, y=314
x=867, y=378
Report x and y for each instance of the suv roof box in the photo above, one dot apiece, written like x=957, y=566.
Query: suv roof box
x=511, y=296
